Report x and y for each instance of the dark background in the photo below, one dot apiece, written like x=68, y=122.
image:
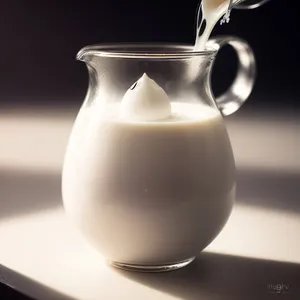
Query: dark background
x=40, y=39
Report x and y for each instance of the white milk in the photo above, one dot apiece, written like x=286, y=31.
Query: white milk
x=212, y=11
x=149, y=192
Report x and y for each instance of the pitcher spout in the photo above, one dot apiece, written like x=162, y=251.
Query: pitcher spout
x=92, y=51
x=84, y=54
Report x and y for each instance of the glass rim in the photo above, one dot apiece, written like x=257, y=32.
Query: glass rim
x=145, y=50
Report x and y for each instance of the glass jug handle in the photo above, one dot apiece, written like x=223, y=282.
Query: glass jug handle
x=241, y=88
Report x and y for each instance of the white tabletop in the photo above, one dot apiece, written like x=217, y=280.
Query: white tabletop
x=257, y=253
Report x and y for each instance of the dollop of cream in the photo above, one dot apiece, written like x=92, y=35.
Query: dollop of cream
x=145, y=101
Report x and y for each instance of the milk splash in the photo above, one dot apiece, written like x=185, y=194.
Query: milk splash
x=210, y=12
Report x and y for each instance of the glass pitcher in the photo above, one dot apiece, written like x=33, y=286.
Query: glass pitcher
x=151, y=195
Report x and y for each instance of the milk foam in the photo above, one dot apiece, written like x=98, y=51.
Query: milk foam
x=145, y=101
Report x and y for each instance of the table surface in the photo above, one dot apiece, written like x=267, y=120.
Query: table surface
x=256, y=256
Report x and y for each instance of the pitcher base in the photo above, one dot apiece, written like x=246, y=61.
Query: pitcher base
x=151, y=268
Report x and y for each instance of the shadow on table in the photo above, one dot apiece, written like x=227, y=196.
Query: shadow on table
x=269, y=189
x=29, y=287
x=24, y=192
x=218, y=276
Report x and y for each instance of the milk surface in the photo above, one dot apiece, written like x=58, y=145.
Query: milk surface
x=158, y=184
